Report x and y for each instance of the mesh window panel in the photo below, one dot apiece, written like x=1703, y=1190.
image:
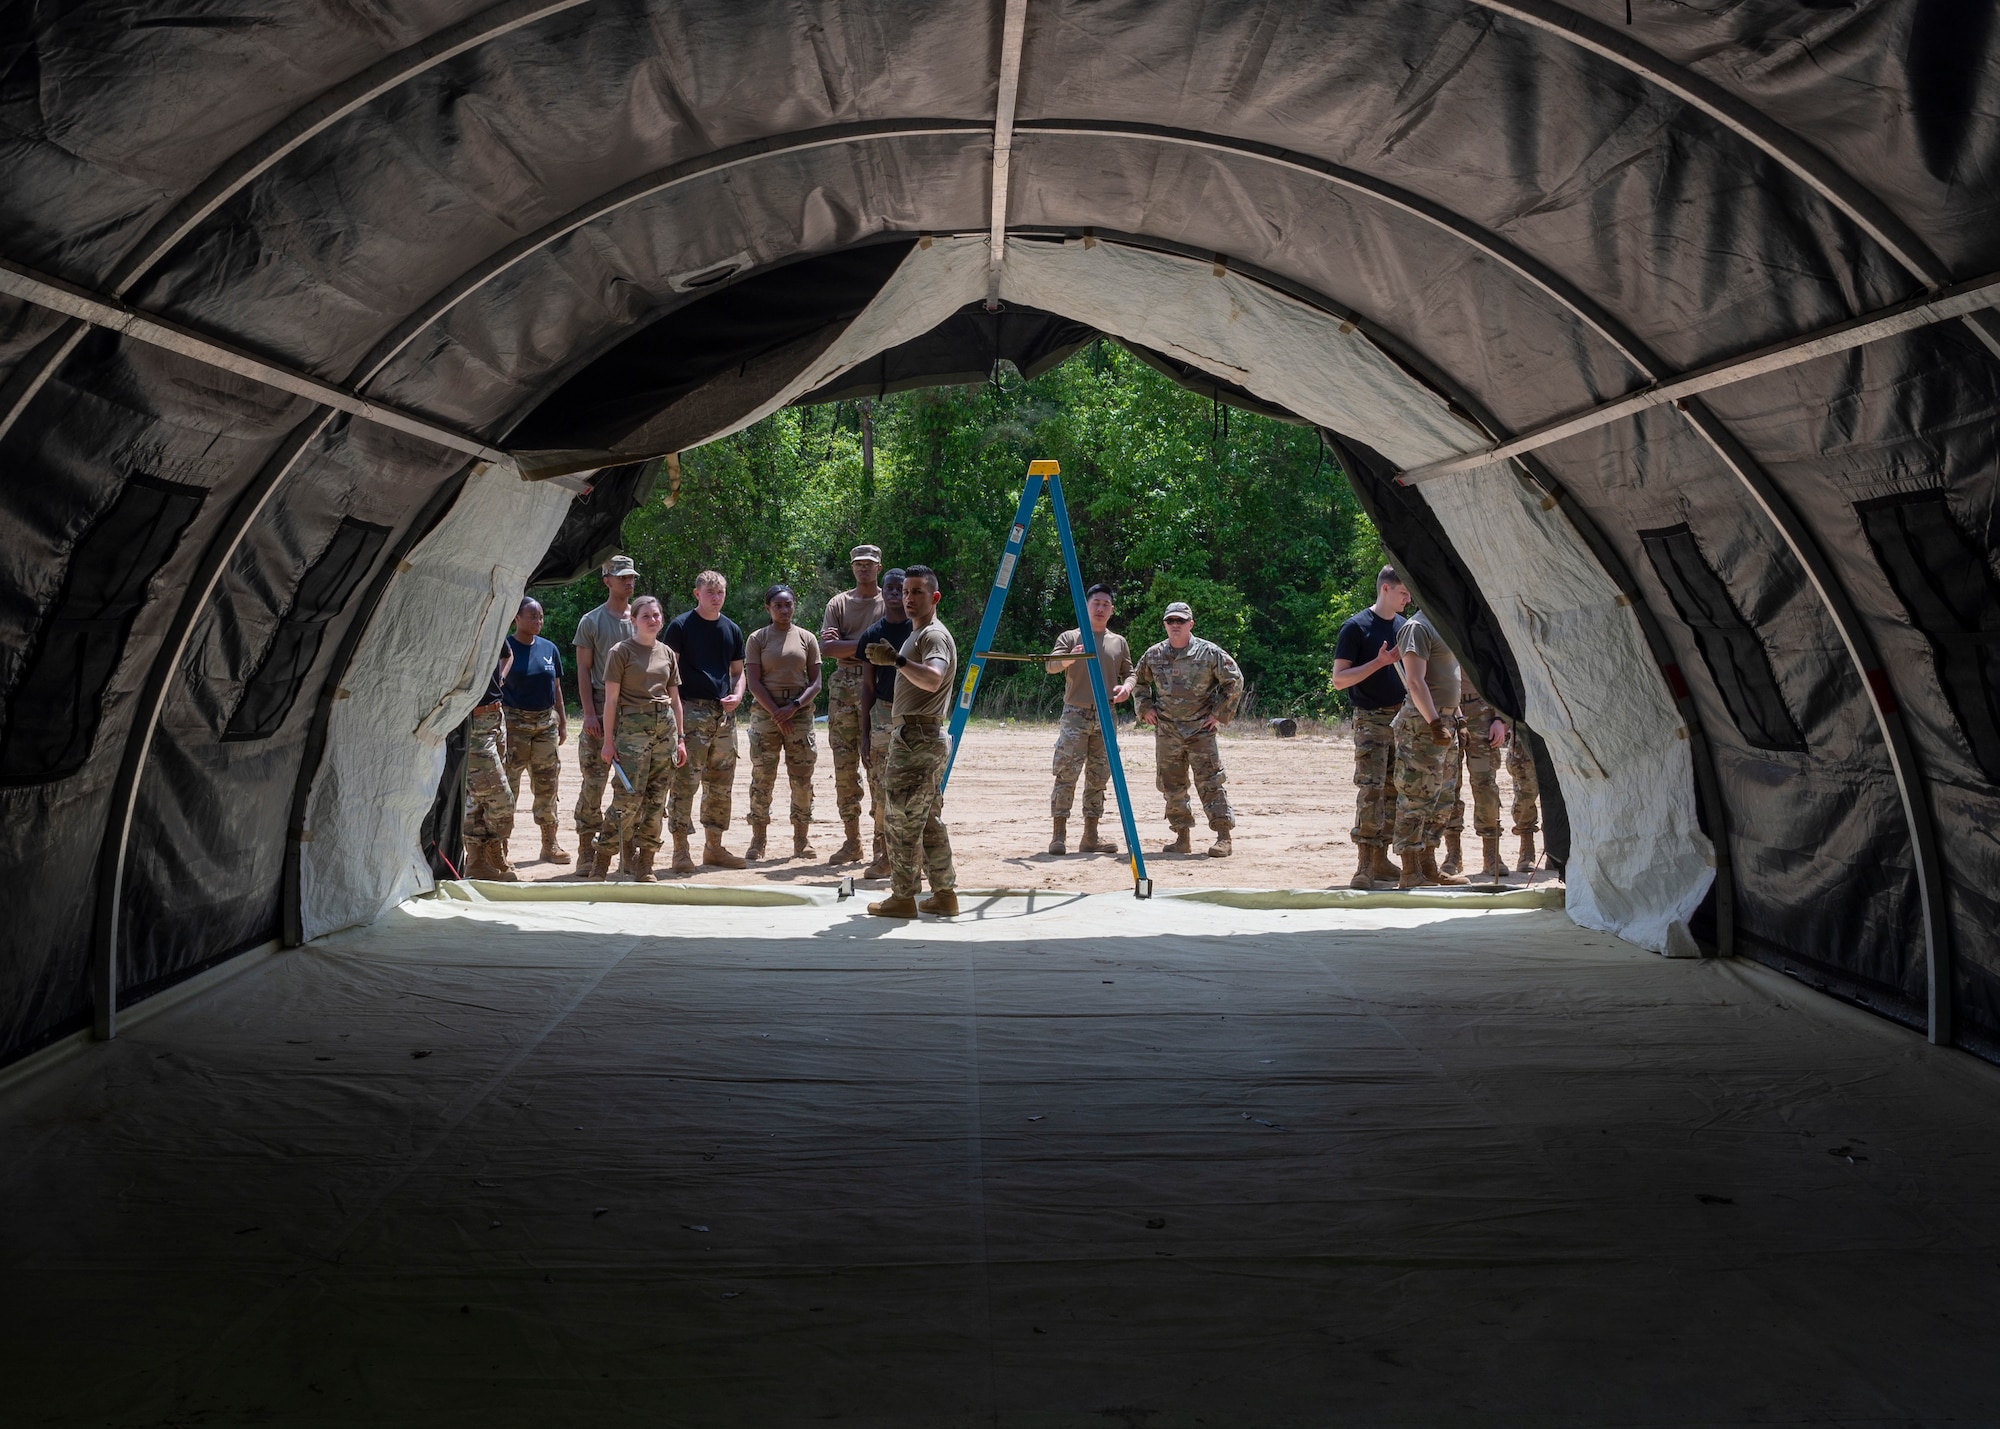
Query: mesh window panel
x=1730, y=647
x=53, y=712
x=322, y=594
x=1944, y=581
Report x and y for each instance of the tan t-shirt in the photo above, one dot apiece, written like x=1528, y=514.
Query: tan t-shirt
x=1440, y=665
x=850, y=615
x=927, y=642
x=1114, y=657
x=785, y=661
x=644, y=674
x=597, y=632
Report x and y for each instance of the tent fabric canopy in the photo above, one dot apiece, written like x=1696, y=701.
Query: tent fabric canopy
x=1509, y=211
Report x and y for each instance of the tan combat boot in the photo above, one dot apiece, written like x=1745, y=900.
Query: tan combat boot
x=756, y=849
x=1221, y=847
x=475, y=860
x=1093, y=841
x=850, y=850
x=943, y=902
x=896, y=905
x=500, y=870
x=1491, y=865
x=1412, y=874
x=1364, y=869
x=1385, y=870
x=639, y=863
x=1526, y=862
x=714, y=855
x=802, y=843
x=1434, y=874
x=1182, y=843
x=880, y=867
x=1059, y=840
x=1454, y=855
x=552, y=852
x=603, y=857
x=683, y=863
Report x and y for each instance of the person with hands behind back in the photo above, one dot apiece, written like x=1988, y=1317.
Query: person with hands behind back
x=1426, y=734
x=781, y=665
x=642, y=735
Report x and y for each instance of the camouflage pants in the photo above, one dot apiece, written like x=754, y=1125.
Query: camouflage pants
x=1374, y=778
x=918, y=841
x=1527, y=791
x=1079, y=750
x=1180, y=755
x=1478, y=764
x=843, y=734
x=878, y=763
x=589, y=810
x=532, y=746
x=710, y=767
x=489, y=798
x=1423, y=783
x=645, y=742
x=801, y=752
x=1482, y=772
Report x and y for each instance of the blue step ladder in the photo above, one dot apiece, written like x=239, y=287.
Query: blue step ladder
x=989, y=625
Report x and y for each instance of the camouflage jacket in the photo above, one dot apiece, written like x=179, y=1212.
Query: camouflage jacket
x=1183, y=687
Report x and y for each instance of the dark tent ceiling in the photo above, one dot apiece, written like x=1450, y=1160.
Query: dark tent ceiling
x=276, y=277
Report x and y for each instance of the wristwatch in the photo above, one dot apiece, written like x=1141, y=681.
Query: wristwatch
x=901, y=661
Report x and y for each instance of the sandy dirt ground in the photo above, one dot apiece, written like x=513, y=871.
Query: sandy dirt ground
x=1294, y=801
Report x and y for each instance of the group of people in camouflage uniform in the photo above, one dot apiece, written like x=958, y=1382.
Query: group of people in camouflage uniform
x=1420, y=731
x=659, y=724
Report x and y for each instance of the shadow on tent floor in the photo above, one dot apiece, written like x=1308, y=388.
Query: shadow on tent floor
x=1081, y=1162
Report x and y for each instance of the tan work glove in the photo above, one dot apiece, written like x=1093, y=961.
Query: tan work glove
x=1441, y=731
x=881, y=653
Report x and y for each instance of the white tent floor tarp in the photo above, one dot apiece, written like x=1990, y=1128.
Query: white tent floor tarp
x=1064, y=1162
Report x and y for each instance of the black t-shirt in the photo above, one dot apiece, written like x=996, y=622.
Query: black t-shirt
x=707, y=648
x=895, y=632
x=1361, y=640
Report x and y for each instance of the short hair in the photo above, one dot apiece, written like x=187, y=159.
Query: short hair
x=1102, y=589
x=711, y=578
x=895, y=576
x=771, y=593
x=526, y=601
x=645, y=600
x=1388, y=576
x=924, y=574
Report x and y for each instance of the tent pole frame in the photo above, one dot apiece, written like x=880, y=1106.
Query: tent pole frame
x=1915, y=800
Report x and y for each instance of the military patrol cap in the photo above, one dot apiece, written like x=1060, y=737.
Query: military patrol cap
x=620, y=566
x=866, y=553
x=1180, y=608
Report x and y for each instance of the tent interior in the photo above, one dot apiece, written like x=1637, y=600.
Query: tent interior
x=1656, y=340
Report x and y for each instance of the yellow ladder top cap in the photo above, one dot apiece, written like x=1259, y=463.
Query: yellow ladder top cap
x=1044, y=468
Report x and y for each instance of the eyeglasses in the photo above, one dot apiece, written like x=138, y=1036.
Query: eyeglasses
x=1179, y=620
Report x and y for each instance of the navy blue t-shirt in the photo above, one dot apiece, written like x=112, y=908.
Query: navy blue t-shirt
x=707, y=648
x=535, y=682
x=1361, y=640
x=895, y=632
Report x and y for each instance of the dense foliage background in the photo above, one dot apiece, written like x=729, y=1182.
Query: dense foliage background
x=1245, y=518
